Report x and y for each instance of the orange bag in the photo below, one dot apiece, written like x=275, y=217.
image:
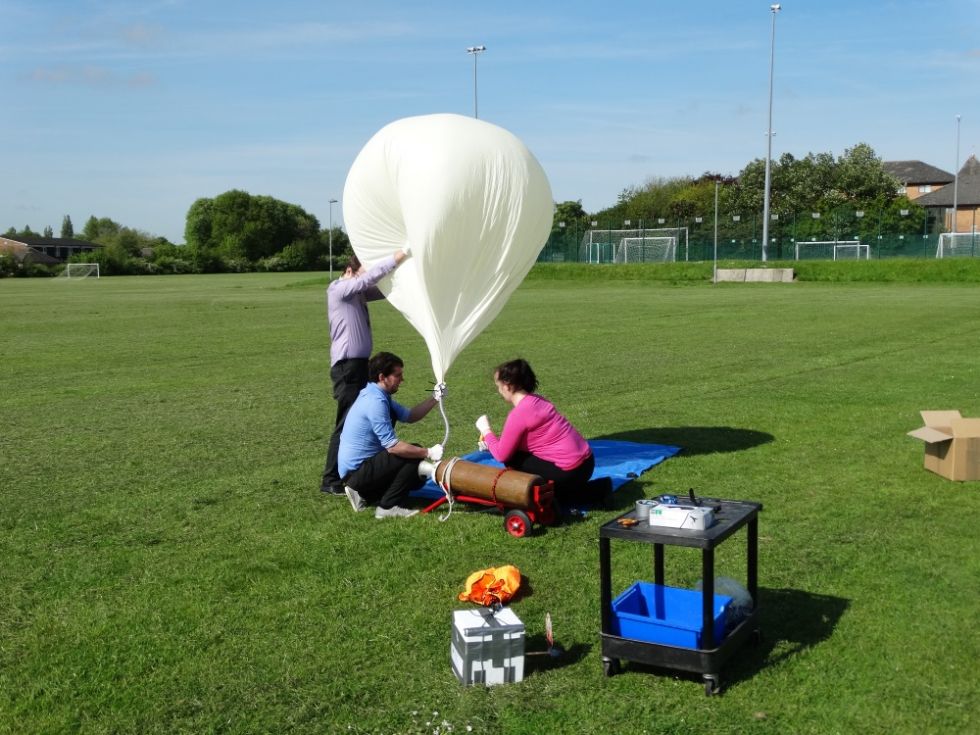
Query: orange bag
x=492, y=586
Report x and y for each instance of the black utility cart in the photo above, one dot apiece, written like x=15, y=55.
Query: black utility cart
x=730, y=516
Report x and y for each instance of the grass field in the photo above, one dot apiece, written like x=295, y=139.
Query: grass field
x=167, y=564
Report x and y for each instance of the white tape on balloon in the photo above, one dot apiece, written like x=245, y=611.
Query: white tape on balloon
x=474, y=205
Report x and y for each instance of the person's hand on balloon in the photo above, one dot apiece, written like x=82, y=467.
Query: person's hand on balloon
x=483, y=425
x=439, y=392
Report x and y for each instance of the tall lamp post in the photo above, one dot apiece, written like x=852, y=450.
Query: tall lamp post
x=475, y=51
x=956, y=172
x=330, y=237
x=765, y=207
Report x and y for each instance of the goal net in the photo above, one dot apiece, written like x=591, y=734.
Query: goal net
x=634, y=246
x=832, y=250
x=646, y=250
x=81, y=270
x=953, y=244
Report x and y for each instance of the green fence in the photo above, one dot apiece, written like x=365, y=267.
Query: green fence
x=840, y=235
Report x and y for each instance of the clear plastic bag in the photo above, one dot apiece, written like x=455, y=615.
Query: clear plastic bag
x=741, y=604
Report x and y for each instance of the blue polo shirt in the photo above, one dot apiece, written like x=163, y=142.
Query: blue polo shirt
x=368, y=428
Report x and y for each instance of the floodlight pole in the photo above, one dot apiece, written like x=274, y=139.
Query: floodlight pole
x=330, y=237
x=715, y=279
x=956, y=172
x=765, y=207
x=475, y=51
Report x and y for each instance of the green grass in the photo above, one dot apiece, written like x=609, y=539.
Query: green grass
x=168, y=565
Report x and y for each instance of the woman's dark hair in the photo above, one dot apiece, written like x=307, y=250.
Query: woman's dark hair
x=384, y=363
x=517, y=374
x=354, y=263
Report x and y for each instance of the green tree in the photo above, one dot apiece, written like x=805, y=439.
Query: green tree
x=237, y=226
x=67, y=230
x=48, y=232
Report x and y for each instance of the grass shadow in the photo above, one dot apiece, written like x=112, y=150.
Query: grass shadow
x=537, y=660
x=790, y=621
x=696, y=439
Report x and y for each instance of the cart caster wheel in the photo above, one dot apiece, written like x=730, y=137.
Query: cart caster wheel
x=610, y=666
x=712, y=685
x=756, y=637
x=517, y=523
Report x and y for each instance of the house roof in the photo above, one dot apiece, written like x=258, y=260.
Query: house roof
x=967, y=189
x=23, y=253
x=917, y=172
x=35, y=242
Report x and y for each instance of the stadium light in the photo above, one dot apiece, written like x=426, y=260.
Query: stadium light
x=765, y=208
x=330, y=237
x=475, y=51
x=956, y=172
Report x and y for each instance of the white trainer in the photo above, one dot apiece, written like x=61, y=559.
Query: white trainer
x=356, y=501
x=394, y=511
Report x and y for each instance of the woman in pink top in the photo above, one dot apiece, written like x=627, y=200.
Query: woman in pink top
x=539, y=440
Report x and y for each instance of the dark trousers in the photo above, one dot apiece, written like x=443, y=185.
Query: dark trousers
x=385, y=479
x=572, y=487
x=349, y=377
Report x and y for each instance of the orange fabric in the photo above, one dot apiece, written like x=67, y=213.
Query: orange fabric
x=491, y=586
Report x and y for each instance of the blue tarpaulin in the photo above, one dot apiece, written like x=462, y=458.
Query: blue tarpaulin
x=621, y=461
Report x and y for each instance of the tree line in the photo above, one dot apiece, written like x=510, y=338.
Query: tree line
x=237, y=231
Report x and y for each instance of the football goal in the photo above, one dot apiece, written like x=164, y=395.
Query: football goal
x=646, y=250
x=832, y=250
x=634, y=246
x=81, y=270
x=954, y=244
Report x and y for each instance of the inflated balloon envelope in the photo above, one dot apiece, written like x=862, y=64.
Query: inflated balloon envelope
x=473, y=204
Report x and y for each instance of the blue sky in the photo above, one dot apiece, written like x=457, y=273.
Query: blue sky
x=132, y=110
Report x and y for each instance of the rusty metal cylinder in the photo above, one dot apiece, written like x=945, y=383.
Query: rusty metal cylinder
x=512, y=488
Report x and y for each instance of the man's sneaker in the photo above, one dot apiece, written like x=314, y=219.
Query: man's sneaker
x=394, y=512
x=356, y=501
x=333, y=490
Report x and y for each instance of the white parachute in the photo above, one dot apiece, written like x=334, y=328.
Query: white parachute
x=473, y=204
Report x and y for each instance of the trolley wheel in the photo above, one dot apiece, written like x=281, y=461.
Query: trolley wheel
x=610, y=666
x=712, y=684
x=517, y=523
x=756, y=637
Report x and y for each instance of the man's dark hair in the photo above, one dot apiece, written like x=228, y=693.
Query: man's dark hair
x=517, y=374
x=383, y=364
x=353, y=262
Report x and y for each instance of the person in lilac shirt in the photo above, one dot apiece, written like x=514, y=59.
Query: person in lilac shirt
x=538, y=440
x=351, y=345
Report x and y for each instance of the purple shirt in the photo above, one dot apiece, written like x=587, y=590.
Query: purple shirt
x=347, y=312
x=535, y=426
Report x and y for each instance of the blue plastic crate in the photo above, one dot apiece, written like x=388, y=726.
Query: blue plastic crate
x=668, y=615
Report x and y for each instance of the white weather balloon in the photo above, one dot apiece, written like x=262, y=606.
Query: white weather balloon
x=474, y=205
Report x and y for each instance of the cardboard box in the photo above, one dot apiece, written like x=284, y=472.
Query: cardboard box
x=487, y=647
x=658, y=614
x=952, y=444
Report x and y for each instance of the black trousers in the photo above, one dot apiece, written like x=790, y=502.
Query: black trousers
x=572, y=487
x=349, y=377
x=386, y=480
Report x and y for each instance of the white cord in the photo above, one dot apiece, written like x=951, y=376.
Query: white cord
x=442, y=410
x=447, y=486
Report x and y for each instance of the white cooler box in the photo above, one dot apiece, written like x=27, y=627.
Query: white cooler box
x=487, y=647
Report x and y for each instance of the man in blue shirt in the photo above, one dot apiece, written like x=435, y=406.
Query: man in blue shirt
x=376, y=466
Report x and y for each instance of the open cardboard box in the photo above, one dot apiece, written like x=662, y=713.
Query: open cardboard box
x=952, y=444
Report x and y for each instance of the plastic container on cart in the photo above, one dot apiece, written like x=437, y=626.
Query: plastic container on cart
x=670, y=616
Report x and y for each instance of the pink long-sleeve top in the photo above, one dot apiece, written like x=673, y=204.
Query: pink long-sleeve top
x=535, y=426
